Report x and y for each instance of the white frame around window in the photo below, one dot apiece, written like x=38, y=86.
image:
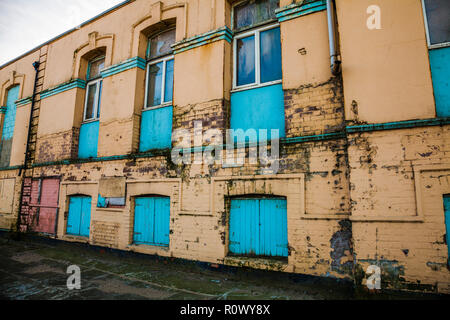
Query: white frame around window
x=163, y=86
x=256, y=33
x=427, y=31
x=97, y=82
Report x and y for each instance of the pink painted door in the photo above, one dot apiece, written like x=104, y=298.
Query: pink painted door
x=44, y=197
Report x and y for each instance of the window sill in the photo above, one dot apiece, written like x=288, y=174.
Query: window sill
x=165, y=105
x=90, y=121
x=255, y=86
x=439, y=45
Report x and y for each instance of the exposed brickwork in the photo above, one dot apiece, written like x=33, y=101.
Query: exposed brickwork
x=213, y=115
x=57, y=147
x=105, y=233
x=314, y=109
x=406, y=250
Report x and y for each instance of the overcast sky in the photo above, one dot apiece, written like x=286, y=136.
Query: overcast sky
x=25, y=24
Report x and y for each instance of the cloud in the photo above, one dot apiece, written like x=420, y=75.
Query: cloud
x=25, y=24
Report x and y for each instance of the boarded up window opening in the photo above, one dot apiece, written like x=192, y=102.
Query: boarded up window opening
x=111, y=193
x=8, y=127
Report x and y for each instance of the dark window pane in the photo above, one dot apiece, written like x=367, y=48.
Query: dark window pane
x=99, y=98
x=155, y=84
x=161, y=44
x=245, y=61
x=270, y=55
x=90, y=105
x=95, y=67
x=254, y=12
x=168, y=94
x=438, y=16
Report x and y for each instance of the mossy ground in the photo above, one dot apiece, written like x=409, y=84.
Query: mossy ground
x=36, y=269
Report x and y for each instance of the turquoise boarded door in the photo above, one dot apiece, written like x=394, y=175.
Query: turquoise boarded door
x=79, y=219
x=152, y=221
x=447, y=222
x=259, y=227
x=8, y=126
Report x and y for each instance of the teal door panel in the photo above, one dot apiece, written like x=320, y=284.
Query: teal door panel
x=273, y=228
x=244, y=226
x=258, y=227
x=79, y=219
x=8, y=126
x=440, y=71
x=74, y=218
x=85, y=223
x=88, y=142
x=447, y=222
x=162, y=221
x=152, y=221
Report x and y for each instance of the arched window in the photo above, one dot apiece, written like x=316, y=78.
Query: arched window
x=93, y=89
x=257, y=70
x=89, y=130
x=156, y=122
x=160, y=69
x=7, y=130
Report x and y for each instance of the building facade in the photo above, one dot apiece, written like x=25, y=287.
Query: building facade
x=92, y=121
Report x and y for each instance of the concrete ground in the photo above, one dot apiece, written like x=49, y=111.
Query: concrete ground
x=34, y=269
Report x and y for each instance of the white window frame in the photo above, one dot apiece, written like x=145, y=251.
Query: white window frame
x=257, y=84
x=163, y=86
x=97, y=83
x=427, y=29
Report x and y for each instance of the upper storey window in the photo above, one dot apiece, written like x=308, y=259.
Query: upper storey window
x=94, y=89
x=438, y=22
x=257, y=50
x=254, y=12
x=437, y=13
x=160, y=70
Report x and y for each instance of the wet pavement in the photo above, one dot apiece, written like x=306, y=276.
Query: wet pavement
x=33, y=269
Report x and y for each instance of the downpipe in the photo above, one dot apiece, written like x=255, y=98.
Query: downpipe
x=332, y=35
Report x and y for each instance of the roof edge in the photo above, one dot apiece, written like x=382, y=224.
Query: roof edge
x=117, y=6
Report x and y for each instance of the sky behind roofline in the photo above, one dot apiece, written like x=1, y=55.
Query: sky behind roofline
x=25, y=24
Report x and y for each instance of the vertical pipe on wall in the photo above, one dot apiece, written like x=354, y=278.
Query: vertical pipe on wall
x=334, y=55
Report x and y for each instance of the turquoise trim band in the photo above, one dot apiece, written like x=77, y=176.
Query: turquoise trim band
x=23, y=102
x=77, y=83
x=2, y=110
x=300, y=9
x=320, y=137
x=11, y=168
x=223, y=33
x=294, y=140
x=136, y=62
x=398, y=125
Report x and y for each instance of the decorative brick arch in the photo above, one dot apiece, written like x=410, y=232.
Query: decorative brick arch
x=159, y=17
x=14, y=80
x=95, y=45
